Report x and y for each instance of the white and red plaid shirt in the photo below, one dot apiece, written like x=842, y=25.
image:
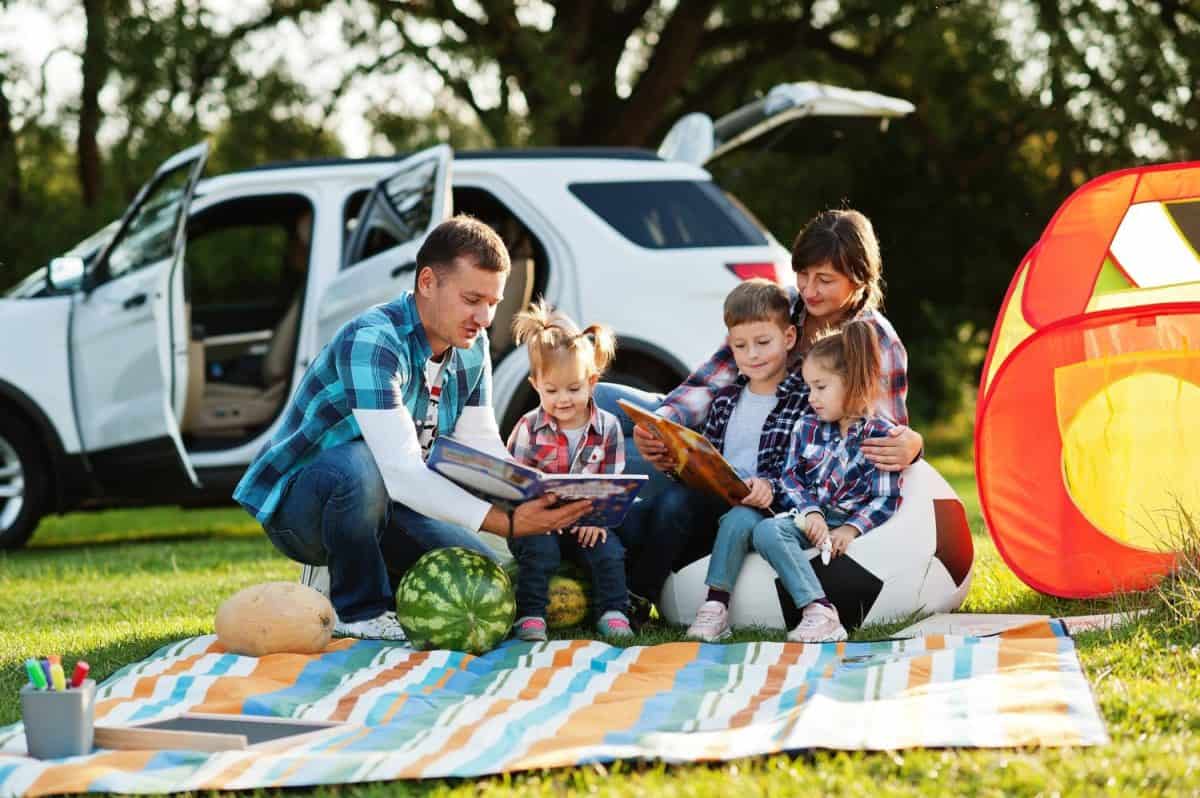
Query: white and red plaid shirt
x=538, y=441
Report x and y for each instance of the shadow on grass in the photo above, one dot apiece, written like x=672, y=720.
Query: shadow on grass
x=101, y=542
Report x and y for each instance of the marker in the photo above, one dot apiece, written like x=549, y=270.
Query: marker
x=54, y=659
x=57, y=678
x=80, y=673
x=46, y=670
x=36, y=677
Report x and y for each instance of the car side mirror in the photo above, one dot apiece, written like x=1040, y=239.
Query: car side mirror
x=65, y=272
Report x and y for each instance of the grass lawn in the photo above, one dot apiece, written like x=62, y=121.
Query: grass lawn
x=112, y=587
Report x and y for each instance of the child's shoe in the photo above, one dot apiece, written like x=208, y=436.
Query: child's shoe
x=641, y=610
x=614, y=624
x=818, y=624
x=531, y=629
x=385, y=626
x=712, y=622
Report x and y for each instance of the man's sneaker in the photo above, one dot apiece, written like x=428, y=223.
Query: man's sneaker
x=711, y=624
x=381, y=627
x=641, y=610
x=316, y=577
x=530, y=628
x=614, y=624
x=818, y=624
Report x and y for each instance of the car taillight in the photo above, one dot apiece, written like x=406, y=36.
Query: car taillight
x=746, y=271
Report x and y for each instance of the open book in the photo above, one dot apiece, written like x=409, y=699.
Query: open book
x=508, y=482
x=699, y=464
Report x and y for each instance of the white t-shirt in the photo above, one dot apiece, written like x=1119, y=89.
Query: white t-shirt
x=745, y=429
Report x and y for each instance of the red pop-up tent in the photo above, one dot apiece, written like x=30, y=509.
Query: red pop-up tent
x=1087, y=448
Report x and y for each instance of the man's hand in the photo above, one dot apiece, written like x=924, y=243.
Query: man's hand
x=760, y=494
x=653, y=449
x=816, y=530
x=896, y=452
x=590, y=535
x=840, y=539
x=535, y=517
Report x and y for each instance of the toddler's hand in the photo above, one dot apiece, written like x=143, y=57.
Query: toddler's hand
x=591, y=535
x=841, y=538
x=760, y=494
x=817, y=529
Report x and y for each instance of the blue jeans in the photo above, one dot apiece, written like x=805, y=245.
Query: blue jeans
x=782, y=545
x=538, y=557
x=734, y=534
x=675, y=527
x=335, y=511
x=606, y=396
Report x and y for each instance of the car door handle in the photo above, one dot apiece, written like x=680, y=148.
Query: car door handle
x=135, y=301
x=404, y=267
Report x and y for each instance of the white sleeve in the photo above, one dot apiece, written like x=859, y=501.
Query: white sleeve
x=477, y=427
x=392, y=438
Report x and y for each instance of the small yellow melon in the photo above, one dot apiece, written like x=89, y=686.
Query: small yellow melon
x=275, y=618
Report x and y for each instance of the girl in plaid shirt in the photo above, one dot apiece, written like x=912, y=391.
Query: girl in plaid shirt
x=567, y=433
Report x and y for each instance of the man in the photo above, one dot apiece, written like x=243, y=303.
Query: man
x=346, y=468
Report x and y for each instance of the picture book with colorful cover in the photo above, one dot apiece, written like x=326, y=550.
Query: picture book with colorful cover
x=698, y=463
x=505, y=481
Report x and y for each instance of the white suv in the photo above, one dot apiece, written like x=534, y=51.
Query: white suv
x=134, y=373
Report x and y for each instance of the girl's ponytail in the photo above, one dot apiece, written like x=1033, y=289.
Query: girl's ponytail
x=551, y=337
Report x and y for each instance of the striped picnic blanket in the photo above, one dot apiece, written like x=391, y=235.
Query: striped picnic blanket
x=441, y=713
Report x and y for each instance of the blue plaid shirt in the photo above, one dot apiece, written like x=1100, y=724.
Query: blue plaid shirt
x=828, y=474
x=374, y=362
x=776, y=438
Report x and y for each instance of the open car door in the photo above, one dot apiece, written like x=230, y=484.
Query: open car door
x=380, y=262
x=128, y=337
x=697, y=139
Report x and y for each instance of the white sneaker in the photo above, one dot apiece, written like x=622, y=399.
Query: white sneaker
x=316, y=577
x=712, y=622
x=381, y=627
x=818, y=624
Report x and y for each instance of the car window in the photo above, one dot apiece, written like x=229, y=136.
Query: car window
x=670, y=214
x=150, y=235
x=399, y=210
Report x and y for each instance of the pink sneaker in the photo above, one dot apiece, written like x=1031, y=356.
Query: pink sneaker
x=712, y=622
x=530, y=628
x=818, y=624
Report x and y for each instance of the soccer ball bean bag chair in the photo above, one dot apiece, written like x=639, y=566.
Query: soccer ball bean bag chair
x=1087, y=450
x=919, y=560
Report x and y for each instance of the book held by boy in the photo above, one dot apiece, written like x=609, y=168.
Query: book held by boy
x=698, y=463
x=509, y=482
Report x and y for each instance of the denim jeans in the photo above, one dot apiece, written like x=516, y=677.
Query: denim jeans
x=734, y=534
x=782, y=545
x=606, y=396
x=676, y=526
x=335, y=511
x=538, y=557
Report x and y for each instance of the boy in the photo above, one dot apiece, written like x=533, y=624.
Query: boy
x=750, y=422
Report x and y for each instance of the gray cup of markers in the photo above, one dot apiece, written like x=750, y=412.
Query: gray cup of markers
x=58, y=723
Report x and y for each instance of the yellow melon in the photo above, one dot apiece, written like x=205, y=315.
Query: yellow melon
x=274, y=618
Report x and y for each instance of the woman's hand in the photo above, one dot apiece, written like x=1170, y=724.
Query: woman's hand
x=896, y=452
x=653, y=449
x=816, y=530
x=590, y=535
x=760, y=495
x=840, y=538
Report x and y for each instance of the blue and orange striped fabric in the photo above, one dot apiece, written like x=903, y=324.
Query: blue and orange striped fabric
x=411, y=715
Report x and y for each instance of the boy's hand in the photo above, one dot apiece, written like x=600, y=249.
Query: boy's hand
x=760, y=494
x=653, y=449
x=841, y=538
x=590, y=535
x=817, y=529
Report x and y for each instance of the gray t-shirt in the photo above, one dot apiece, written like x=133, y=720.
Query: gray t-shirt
x=574, y=437
x=745, y=429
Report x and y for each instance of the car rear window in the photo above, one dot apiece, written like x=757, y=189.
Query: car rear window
x=670, y=214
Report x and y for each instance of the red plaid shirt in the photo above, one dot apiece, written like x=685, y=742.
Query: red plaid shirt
x=538, y=441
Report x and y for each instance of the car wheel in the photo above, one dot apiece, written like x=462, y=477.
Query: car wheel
x=23, y=484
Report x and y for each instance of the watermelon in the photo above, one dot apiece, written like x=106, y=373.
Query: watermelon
x=456, y=599
x=568, y=603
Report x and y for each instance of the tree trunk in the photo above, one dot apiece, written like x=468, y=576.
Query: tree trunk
x=10, y=167
x=95, y=73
